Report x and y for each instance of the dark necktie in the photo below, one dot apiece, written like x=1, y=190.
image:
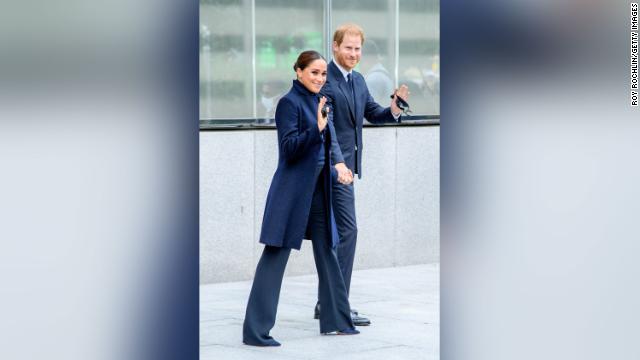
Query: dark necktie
x=350, y=83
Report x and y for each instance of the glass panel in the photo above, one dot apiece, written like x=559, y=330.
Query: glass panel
x=419, y=62
x=377, y=19
x=245, y=67
x=284, y=28
x=226, y=55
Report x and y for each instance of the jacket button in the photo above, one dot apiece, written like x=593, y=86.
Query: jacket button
x=356, y=147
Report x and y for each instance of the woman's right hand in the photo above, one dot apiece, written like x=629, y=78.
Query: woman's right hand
x=322, y=120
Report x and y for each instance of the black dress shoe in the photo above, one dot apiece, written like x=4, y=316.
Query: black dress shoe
x=359, y=320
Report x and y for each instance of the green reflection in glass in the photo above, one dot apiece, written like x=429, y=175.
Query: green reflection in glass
x=266, y=56
x=313, y=40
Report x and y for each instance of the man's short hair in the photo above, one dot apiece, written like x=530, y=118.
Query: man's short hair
x=347, y=29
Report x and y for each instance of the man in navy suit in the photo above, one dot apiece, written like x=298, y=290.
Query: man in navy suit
x=351, y=102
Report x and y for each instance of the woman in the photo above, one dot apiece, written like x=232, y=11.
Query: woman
x=298, y=206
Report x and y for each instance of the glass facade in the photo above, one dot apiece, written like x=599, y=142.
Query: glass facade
x=283, y=30
x=226, y=59
x=248, y=47
x=419, y=53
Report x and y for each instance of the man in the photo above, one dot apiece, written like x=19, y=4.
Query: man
x=351, y=102
x=375, y=74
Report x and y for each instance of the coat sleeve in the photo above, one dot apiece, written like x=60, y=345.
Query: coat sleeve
x=336, y=152
x=293, y=141
x=376, y=114
x=334, y=175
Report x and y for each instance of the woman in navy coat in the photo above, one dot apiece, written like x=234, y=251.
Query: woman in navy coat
x=299, y=206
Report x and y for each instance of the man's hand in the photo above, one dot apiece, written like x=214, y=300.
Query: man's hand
x=403, y=93
x=345, y=176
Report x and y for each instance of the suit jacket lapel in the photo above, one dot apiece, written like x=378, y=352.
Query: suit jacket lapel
x=344, y=87
x=346, y=91
x=355, y=97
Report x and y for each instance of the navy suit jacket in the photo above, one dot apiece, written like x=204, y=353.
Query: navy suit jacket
x=289, y=199
x=347, y=114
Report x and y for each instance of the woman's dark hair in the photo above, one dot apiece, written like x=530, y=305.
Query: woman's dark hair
x=305, y=58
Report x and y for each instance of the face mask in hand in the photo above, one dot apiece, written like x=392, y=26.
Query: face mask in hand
x=403, y=105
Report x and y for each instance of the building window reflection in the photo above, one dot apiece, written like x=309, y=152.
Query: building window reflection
x=247, y=49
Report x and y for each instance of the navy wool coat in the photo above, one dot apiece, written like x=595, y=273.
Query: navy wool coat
x=289, y=199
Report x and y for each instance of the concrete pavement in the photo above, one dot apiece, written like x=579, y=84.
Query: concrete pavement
x=403, y=304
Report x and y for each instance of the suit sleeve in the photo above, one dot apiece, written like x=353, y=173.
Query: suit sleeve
x=336, y=152
x=293, y=142
x=376, y=114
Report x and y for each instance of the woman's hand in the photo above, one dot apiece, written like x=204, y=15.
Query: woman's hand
x=345, y=176
x=322, y=120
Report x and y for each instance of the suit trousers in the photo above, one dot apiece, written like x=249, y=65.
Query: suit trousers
x=263, y=301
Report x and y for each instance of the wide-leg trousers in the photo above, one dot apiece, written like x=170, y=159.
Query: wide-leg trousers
x=263, y=301
x=344, y=207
